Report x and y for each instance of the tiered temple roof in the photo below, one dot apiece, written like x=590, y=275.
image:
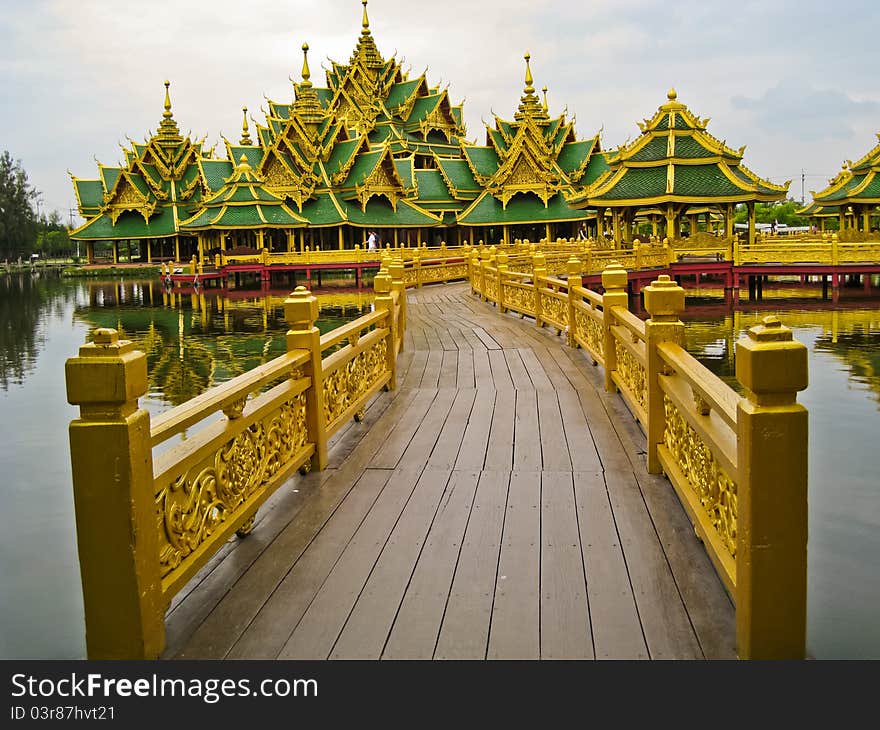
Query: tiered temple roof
x=676, y=161
x=150, y=194
x=528, y=166
x=856, y=184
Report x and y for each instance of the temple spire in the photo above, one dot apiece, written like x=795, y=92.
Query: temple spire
x=168, y=130
x=546, y=108
x=530, y=107
x=530, y=89
x=366, y=49
x=307, y=107
x=306, y=74
x=245, y=133
x=366, y=21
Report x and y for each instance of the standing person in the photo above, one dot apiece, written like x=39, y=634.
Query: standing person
x=371, y=241
x=582, y=232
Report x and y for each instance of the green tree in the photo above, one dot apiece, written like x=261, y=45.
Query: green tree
x=53, y=239
x=18, y=222
x=784, y=211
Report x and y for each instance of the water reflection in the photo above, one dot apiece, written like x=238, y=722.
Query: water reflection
x=195, y=338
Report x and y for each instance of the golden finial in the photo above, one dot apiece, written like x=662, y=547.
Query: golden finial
x=243, y=164
x=167, y=112
x=245, y=133
x=671, y=94
x=306, y=74
x=544, y=89
x=529, y=81
x=366, y=21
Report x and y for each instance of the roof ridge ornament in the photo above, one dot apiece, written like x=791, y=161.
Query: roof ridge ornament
x=245, y=133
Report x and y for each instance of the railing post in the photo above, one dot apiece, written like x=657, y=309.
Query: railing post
x=573, y=269
x=771, y=533
x=395, y=271
x=484, y=261
x=637, y=252
x=503, y=270
x=614, y=280
x=301, y=312
x=384, y=301
x=116, y=532
x=539, y=269
x=417, y=265
x=664, y=301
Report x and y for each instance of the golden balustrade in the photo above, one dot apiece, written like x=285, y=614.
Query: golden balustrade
x=148, y=521
x=738, y=464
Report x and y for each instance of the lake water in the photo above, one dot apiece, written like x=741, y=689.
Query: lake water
x=193, y=342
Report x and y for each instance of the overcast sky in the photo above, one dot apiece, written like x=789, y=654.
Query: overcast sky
x=794, y=81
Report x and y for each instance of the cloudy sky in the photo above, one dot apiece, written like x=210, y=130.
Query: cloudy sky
x=793, y=80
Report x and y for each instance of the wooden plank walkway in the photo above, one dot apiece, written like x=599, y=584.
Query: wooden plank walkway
x=494, y=505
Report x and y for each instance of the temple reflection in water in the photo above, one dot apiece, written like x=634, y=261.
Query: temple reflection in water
x=196, y=338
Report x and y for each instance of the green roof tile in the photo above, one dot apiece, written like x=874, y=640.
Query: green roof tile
x=363, y=168
x=482, y=159
x=432, y=187
x=521, y=208
x=638, y=182
x=704, y=181
x=130, y=225
x=458, y=172
x=216, y=172
x=90, y=192
x=380, y=214
x=320, y=211
x=405, y=168
x=573, y=155
x=399, y=93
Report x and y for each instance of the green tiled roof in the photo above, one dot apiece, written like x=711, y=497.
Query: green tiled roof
x=341, y=154
x=573, y=154
x=279, y=110
x=320, y=211
x=399, y=93
x=130, y=225
x=687, y=147
x=380, y=214
x=482, y=159
x=109, y=175
x=215, y=172
x=363, y=168
x=381, y=133
x=405, y=168
x=422, y=107
x=597, y=165
x=704, y=181
x=90, y=193
x=497, y=139
x=432, y=187
x=254, y=155
x=265, y=136
x=652, y=151
x=325, y=96
x=521, y=208
x=458, y=115
x=458, y=172
x=637, y=182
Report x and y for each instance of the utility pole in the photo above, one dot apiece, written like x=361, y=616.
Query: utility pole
x=802, y=186
x=70, y=213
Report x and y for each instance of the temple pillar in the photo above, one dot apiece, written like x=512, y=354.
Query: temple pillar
x=671, y=233
x=149, y=252
x=866, y=218
x=841, y=219
x=548, y=231
x=751, y=207
x=458, y=235
x=340, y=236
x=302, y=240
x=506, y=235
x=615, y=223
x=176, y=249
x=90, y=251
x=654, y=226
x=291, y=241
x=115, y=247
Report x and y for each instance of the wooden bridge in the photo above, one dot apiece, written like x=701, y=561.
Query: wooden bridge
x=491, y=497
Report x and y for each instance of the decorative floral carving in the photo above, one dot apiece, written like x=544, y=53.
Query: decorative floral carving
x=589, y=332
x=705, y=476
x=632, y=372
x=192, y=506
x=554, y=311
x=350, y=382
x=519, y=299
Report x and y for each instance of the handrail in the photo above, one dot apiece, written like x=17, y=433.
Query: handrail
x=148, y=522
x=737, y=464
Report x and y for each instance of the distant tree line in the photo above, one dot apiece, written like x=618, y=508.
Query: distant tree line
x=23, y=230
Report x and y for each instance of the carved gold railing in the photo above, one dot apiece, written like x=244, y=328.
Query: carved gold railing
x=147, y=522
x=827, y=249
x=737, y=464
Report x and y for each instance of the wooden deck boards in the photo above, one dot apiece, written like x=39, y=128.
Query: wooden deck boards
x=494, y=505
